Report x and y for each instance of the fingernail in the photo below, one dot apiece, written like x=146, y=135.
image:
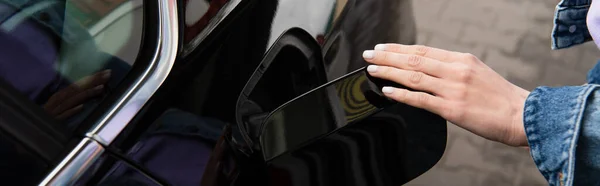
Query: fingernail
x=106, y=74
x=380, y=47
x=387, y=90
x=99, y=87
x=372, y=68
x=368, y=54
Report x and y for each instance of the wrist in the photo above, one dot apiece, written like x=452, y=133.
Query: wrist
x=517, y=136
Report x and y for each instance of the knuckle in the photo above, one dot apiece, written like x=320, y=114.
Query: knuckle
x=383, y=56
x=422, y=50
x=384, y=72
x=422, y=98
x=402, y=95
x=396, y=48
x=415, y=61
x=453, y=114
x=465, y=73
x=416, y=77
x=468, y=57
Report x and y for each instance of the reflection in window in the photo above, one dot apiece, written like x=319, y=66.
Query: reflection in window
x=66, y=55
x=339, y=7
x=198, y=14
x=314, y=16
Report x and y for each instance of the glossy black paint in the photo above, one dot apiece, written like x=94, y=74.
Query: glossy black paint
x=295, y=48
x=320, y=112
x=209, y=81
x=334, y=135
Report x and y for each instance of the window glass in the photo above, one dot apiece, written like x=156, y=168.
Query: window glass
x=65, y=56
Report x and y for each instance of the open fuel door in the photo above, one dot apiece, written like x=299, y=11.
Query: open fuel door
x=292, y=66
x=347, y=133
x=303, y=130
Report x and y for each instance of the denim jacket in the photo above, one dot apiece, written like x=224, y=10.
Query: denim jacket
x=563, y=123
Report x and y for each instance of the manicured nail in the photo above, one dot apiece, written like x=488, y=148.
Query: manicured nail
x=99, y=87
x=372, y=68
x=106, y=74
x=387, y=90
x=368, y=54
x=380, y=47
x=78, y=107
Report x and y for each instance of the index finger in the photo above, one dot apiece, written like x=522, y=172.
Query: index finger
x=94, y=80
x=420, y=50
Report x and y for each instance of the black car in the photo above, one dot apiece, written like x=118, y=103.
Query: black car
x=205, y=92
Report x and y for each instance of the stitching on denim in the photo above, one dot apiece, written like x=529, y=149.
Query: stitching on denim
x=581, y=100
x=533, y=98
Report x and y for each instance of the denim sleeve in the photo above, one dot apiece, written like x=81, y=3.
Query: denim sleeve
x=570, y=27
x=563, y=131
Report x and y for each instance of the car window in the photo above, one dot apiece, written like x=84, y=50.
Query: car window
x=65, y=56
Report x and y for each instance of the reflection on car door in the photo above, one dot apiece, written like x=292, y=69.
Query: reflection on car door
x=163, y=129
x=340, y=134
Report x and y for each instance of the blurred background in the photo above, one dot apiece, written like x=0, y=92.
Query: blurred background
x=512, y=37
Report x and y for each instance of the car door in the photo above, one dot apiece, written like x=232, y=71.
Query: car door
x=282, y=48
x=271, y=44
x=166, y=120
x=30, y=141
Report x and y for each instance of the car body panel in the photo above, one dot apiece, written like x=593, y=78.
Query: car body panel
x=190, y=84
x=343, y=133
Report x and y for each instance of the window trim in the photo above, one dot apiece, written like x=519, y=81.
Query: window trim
x=213, y=23
x=75, y=164
x=140, y=91
x=81, y=158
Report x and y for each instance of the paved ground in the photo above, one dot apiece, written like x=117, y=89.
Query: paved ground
x=513, y=37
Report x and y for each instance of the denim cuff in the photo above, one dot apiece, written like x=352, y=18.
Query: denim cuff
x=552, y=119
x=570, y=24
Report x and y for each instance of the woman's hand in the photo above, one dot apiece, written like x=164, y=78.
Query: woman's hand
x=461, y=88
x=69, y=101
